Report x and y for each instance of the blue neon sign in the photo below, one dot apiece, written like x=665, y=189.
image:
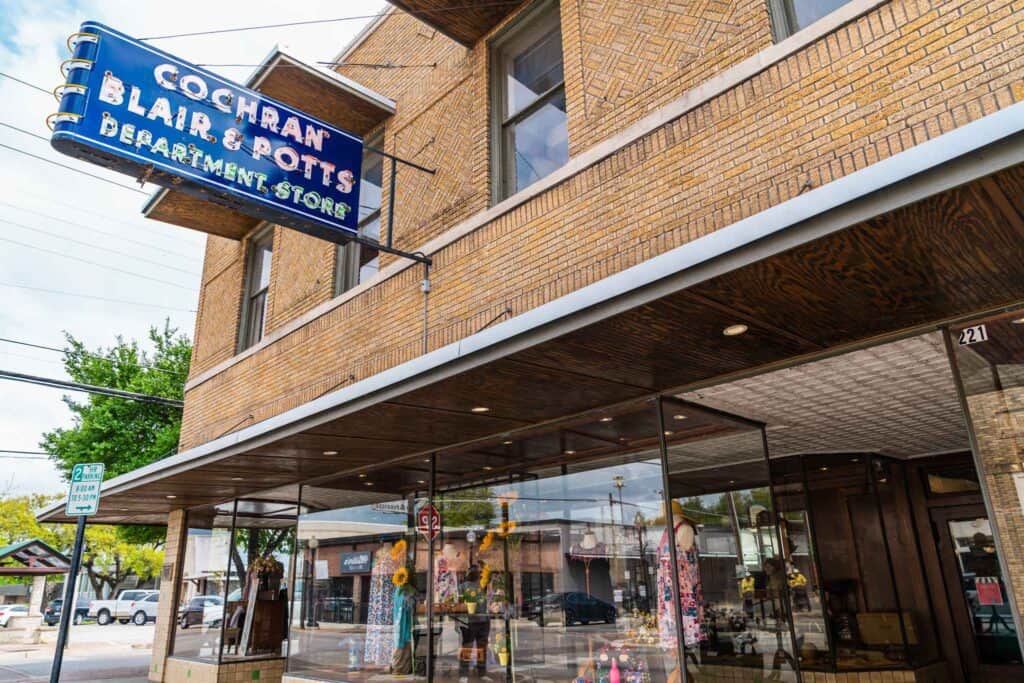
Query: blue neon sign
x=135, y=109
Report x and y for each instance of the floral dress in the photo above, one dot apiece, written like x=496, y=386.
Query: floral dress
x=691, y=600
x=446, y=583
x=380, y=612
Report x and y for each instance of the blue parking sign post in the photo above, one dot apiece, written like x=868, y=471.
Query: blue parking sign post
x=83, y=500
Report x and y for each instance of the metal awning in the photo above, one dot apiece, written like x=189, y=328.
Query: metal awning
x=923, y=237
x=318, y=91
x=465, y=24
x=35, y=557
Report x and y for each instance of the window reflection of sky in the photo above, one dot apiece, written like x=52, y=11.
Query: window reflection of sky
x=541, y=142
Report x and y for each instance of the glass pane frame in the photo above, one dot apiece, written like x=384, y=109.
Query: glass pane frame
x=526, y=31
x=255, y=295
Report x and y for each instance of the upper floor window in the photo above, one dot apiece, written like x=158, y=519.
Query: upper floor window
x=790, y=16
x=530, y=128
x=257, y=284
x=357, y=263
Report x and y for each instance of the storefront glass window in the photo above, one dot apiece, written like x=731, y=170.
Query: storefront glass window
x=361, y=574
x=734, y=580
x=552, y=561
x=254, y=620
x=204, y=579
x=988, y=357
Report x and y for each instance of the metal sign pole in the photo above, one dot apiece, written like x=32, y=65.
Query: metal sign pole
x=68, y=608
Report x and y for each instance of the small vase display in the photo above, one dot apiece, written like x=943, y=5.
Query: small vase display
x=471, y=608
x=503, y=657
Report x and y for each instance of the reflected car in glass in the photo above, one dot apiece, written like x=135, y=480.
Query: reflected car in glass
x=571, y=608
x=51, y=615
x=199, y=610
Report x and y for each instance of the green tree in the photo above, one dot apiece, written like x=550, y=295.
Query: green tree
x=108, y=558
x=123, y=434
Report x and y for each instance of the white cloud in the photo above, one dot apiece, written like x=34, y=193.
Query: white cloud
x=31, y=48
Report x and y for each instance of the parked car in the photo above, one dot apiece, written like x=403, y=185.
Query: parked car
x=8, y=611
x=120, y=608
x=201, y=609
x=571, y=608
x=51, y=615
x=213, y=614
x=144, y=610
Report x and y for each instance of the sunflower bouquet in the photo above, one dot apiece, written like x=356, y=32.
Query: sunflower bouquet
x=399, y=549
x=487, y=542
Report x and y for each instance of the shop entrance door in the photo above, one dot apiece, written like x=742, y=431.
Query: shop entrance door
x=977, y=596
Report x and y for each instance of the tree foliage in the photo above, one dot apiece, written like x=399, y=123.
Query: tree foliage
x=122, y=434
x=108, y=558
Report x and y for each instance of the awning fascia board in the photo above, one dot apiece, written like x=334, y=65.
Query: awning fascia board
x=977, y=149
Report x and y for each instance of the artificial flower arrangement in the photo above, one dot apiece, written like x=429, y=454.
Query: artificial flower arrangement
x=269, y=572
x=398, y=550
x=497, y=592
x=470, y=596
x=500, y=648
x=401, y=576
x=485, y=576
x=487, y=542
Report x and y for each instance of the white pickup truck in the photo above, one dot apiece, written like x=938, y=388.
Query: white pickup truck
x=123, y=608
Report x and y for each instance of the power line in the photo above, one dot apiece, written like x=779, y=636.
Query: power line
x=93, y=246
x=89, y=355
x=91, y=389
x=26, y=132
x=97, y=298
x=451, y=8
x=24, y=455
x=94, y=263
x=31, y=85
x=72, y=168
x=368, y=65
x=98, y=214
x=115, y=235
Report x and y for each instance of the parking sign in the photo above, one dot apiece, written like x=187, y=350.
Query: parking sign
x=84, y=492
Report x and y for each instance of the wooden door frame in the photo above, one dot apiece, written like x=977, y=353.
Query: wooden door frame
x=940, y=516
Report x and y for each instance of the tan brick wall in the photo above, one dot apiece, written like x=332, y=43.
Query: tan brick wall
x=167, y=608
x=219, y=303
x=901, y=74
x=192, y=671
x=997, y=418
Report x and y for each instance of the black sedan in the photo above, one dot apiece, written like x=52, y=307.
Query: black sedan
x=571, y=608
x=51, y=615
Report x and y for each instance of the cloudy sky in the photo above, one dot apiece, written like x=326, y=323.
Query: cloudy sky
x=52, y=206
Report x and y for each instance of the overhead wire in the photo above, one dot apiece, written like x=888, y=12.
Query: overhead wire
x=449, y=8
x=79, y=295
x=90, y=389
x=94, y=263
x=72, y=168
x=31, y=85
x=98, y=248
x=115, y=235
x=112, y=361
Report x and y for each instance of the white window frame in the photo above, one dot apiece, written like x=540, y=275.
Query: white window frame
x=247, y=334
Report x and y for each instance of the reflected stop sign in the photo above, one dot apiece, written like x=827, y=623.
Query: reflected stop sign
x=428, y=521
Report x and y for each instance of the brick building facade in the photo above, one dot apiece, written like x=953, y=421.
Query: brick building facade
x=813, y=179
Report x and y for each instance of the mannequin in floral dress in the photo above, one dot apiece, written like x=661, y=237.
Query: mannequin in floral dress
x=380, y=612
x=691, y=599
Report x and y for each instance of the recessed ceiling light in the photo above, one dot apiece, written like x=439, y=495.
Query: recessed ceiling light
x=479, y=409
x=507, y=442
x=854, y=459
x=171, y=495
x=237, y=478
x=421, y=481
x=488, y=468
x=570, y=452
x=369, y=483
x=362, y=476
x=680, y=416
x=330, y=452
x=605, y=419
x=732, y=481
x=426, y=459
x=824, y=469
x=669, y=432
x=735, y=330
x=1018, y=321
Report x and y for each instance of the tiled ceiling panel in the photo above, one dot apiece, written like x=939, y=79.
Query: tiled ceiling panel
x=898, y=399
